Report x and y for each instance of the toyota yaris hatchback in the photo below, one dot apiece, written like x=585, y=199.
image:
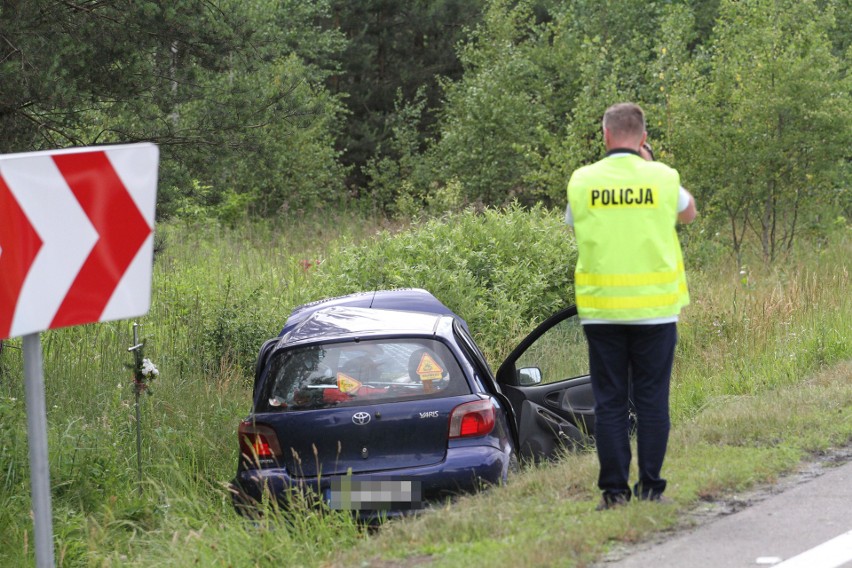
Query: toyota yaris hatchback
x=380, y=402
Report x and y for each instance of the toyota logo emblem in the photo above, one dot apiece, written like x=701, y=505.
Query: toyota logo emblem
x=361, y=418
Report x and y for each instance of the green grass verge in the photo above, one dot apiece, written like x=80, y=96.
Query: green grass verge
x=758, y=385
x=545, y=516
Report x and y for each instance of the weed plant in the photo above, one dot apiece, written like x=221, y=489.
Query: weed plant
x=744, y=389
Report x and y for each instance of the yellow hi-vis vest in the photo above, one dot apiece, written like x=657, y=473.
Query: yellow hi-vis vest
x=629, y=265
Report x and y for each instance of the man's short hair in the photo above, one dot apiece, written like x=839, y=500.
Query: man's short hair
x=624, y=120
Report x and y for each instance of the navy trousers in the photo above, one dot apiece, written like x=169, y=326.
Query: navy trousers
x=618, y=356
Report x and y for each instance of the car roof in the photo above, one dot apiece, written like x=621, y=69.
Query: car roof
x=341, y=322
x=403, y=299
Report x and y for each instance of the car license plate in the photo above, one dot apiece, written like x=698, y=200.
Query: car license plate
x=374, y=494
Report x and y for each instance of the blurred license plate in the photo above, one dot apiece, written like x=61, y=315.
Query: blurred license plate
x=374, y=494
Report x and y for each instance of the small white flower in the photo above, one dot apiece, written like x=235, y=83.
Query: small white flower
x=148, y=369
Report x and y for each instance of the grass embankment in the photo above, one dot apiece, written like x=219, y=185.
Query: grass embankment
x=546, y=517
x=762, y=379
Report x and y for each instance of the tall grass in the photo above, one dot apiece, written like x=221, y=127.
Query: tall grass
x=219, y=292
x=760, y=328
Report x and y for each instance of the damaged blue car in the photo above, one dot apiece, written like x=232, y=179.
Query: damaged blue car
x=381, y=402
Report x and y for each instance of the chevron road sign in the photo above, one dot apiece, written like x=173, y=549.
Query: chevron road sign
x=76, y=238
x=76, y=246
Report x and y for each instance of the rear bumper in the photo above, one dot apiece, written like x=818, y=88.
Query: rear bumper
x=464, y=470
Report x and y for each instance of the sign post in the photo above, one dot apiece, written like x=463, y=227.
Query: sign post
x=137, y=361
x=76, y=247
x=37, y=435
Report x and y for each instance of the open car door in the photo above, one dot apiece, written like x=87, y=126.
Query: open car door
x=546, y=379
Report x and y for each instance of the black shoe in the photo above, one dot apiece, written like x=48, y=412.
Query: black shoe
x=654, y=493
x=612, y=500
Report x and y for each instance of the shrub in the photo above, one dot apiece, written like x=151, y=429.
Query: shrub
x=501, y=270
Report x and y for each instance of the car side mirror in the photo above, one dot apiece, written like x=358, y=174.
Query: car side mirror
x=529, y=376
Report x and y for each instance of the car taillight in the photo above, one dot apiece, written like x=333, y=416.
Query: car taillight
x=258, y=442
x=472, y=419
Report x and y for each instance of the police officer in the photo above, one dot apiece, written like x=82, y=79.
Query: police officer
x=630, y=286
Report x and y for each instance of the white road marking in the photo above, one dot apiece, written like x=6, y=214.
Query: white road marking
x=830, y=554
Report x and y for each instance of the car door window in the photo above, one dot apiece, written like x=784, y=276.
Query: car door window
x=555, y=351
x=561, y=353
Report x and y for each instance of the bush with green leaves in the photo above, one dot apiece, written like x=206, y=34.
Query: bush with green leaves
x=501, y=270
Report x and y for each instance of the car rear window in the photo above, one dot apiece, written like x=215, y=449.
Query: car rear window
x=346, y=374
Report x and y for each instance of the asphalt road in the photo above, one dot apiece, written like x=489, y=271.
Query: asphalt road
x=803, y=522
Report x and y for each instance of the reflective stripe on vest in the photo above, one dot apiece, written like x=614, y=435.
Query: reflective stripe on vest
x=608, y=280
x=629, y=265
x=628, y=302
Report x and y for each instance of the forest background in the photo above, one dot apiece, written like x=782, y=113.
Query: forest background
x=272, y=108
x=318, y=147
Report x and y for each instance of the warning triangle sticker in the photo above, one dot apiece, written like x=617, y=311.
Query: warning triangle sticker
x=347, y=384
x=429, y=369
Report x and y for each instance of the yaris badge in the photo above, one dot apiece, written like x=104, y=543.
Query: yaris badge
x=361, y=418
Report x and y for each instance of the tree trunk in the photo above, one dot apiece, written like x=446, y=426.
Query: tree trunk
x=766, y=221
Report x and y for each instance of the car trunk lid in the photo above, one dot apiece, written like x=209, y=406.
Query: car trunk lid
x=362, y=439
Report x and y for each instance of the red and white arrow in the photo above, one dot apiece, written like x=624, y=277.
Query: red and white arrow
x=76, y=240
